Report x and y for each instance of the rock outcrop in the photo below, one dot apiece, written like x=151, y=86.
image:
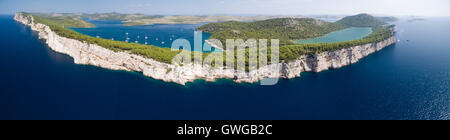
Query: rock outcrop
x=92, y=54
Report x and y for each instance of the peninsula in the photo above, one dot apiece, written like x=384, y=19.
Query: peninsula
x=154, y=61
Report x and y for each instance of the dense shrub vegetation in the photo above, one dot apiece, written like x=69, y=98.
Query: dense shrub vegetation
x=66, y=21
x=388, y=19
x=361, y=20
x=284, y=29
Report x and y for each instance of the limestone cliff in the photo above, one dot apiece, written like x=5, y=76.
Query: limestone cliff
x=92, y=54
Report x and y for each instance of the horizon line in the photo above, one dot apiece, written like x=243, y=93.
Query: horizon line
x=224, y=14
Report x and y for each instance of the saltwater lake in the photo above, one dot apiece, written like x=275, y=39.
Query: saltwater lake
x=409, y=80
x=349, y=34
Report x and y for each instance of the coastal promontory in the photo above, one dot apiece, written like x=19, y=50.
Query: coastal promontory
x=154, y=62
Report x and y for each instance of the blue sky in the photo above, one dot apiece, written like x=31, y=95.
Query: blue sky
x=207, y=7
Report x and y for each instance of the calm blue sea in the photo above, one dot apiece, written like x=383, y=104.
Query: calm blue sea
x=409, y=80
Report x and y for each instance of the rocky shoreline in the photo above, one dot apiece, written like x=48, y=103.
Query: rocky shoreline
x=92, y=54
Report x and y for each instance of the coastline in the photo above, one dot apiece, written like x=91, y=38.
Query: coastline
x=92, y=54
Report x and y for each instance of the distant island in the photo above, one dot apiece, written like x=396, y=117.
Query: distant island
x=141, y=19
x=155, y=62
x=416, y=18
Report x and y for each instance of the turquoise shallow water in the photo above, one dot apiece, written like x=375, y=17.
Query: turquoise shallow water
x=408, y=80
x=348, y=34
x=161, y=35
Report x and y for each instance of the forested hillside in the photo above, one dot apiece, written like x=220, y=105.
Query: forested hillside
x=361, y=20
x=285, y=29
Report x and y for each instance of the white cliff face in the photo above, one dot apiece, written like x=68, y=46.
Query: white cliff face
x=92, y=54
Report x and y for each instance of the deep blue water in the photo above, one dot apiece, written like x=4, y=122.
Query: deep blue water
x=409, y=80
x=161, y=35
